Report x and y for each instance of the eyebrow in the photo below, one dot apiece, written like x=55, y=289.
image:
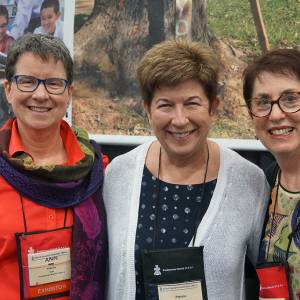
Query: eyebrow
x=291, y=90
x=261, y=95
x=188, y=99
x=193, y=97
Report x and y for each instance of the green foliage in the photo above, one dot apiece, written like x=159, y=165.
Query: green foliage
x=232, y=21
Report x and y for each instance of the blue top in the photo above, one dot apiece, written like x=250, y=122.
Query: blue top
x=177, y=211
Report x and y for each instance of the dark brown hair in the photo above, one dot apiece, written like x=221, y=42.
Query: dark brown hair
x=279, y=61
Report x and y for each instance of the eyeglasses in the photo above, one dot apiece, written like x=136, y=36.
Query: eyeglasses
x=54, y=86
x=262, y=106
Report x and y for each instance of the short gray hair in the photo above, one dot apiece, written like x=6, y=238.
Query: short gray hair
x=44, y=46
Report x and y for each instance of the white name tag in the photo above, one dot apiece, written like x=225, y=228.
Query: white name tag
x=190, y=290
x=49, y=266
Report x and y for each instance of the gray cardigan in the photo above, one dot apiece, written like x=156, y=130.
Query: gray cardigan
x=231, y=226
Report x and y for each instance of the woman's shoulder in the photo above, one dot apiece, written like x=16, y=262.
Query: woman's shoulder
x=129, y=159
x=245, y=176
x=239, y=164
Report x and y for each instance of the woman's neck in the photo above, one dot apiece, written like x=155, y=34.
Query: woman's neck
x=186, y=169
x=45, y=146
x=290, y=173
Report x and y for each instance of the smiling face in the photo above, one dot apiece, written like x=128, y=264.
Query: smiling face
x=279, y=132
x=38, y=110
x=180, y=118
x=48, y=19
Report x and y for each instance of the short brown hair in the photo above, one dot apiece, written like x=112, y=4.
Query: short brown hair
x=44, y=46
x=279, y=61
x=174, y=61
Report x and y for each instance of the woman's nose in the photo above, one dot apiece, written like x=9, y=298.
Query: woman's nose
x=180, y=117
x=40, y=92
x=276, y=112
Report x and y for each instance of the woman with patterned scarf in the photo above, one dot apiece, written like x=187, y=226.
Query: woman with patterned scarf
x=52, y=220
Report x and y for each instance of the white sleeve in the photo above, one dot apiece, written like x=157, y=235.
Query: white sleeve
x=38, y=30
x=22, y=18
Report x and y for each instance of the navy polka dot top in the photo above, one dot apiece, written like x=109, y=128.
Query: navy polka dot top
x=174, y=213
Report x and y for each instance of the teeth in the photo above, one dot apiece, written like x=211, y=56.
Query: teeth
x=281, y=131
x=181, y=134
x=39, y=109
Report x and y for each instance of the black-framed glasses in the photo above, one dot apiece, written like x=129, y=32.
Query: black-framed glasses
x=262, y=106
x=54, y=86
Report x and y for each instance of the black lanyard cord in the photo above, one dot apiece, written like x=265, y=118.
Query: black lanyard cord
x=23, y=213
x=200, y=210
x=158, y=198
x=290, y=236
x=65, y=218
x=157, y=203
x=273, y=217
x=24, y=217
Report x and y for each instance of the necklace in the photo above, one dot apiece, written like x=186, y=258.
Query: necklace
x=158, y=198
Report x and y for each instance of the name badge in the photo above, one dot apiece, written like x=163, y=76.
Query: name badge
x=44, y=263
x=174, y=274
x=273, y=279
x=185, y=290
x=271, y=298
x=49, y=266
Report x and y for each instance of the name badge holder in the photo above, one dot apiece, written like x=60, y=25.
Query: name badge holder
x=274, y=276
x=44, y=261
x=172, y=274
x=273, y=280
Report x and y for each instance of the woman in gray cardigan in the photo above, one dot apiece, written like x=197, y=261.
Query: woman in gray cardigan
x=181, y=189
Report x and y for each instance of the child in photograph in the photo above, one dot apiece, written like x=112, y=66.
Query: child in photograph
x=5, y=39
x=27, y=17
x=50, y=19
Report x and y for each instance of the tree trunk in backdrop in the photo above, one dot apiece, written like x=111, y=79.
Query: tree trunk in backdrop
x=115, y=38
x=200, y=31
x=260, y=26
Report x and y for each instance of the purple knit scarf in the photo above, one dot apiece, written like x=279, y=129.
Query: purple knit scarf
x=89, y=244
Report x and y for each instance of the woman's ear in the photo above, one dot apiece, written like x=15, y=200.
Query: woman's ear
x=214, y=104
x=7, y=90
x=146, y=107
x=70, y=93
x=249, y=112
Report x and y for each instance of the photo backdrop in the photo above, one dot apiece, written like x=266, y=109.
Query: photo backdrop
x=112, y=35
x=24, y=16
